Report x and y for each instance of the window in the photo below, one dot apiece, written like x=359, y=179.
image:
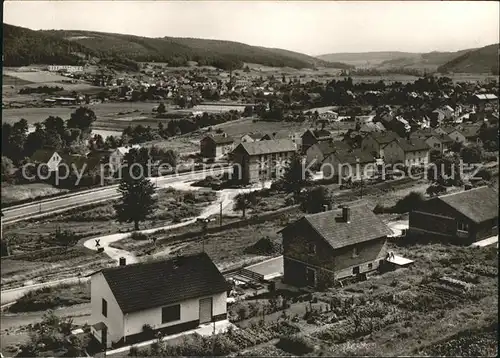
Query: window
x=311, y=277
x=312, y=248
x=370, y=266
x=462, y=226
x=104, y=308
x=355, y=270
x=170, y=314
x=355, y=252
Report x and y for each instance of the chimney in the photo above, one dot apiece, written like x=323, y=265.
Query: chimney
x=123, y=261
x=325, y=207
x=224, y=135
x=346, y=214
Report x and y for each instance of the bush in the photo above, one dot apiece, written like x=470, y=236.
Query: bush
x=408, y=203
x=138, y=236
x=295, y=344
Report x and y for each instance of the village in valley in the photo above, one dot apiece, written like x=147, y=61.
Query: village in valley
x=187, y=197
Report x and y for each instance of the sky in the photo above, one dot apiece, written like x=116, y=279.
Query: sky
x=310, y=27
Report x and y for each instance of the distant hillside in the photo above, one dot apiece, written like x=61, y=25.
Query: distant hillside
x=177, y=51
x=483, y=60
x=23, y=46
x=386, y=60
x=315, y=61
x=366, y=59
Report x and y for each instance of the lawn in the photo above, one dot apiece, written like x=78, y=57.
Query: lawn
x=52, y=297
x=14, y=193
x=35, y=76
x=14, y=81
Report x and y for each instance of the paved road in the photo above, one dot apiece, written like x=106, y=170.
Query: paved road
x=66, y=202
x=13, y=294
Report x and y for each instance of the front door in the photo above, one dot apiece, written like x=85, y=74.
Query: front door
x=311, y=277
x=206, y=310
x=104, y=337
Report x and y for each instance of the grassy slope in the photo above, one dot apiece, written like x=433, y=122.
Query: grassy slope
x=482, y=60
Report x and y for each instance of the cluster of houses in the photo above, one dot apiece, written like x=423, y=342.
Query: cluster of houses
x=255, y=155
x=319, y=251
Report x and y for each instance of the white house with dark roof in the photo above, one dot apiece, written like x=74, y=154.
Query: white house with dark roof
x=130, y=303
x=215, y=146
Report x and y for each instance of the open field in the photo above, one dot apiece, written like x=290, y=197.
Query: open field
x=35, y=77
x=99, y=219
x=13, y=193
x=14, y=81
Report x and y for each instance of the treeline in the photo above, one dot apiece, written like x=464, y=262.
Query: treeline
x=178, y=51
x=54, y=134
x=41, y=89
x=22, y=47
x=140, y=134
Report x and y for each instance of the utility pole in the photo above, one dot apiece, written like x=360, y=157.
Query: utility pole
x=220, y=214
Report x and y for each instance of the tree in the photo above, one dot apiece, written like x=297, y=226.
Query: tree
x=137, y=202
x=243, y=201
x=53, y=334
x=296, y=176
x=7, y=168
x=82, y=118
x=472, y=154
x=314, y=199
x=161, y=108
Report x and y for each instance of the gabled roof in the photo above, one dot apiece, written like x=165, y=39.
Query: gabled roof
x=478, y=204
x=384, y=137
x=319, y=133
x=220, y=138
x=268, y=146
x=42, y=155
x=254, y=136
x=372, y=127
x=275, y=135
x=326, y=147
x=363, y=226
x=137, y=287
x=470, y=130
x=412, y=145
x=486, y=96
x=354, y=156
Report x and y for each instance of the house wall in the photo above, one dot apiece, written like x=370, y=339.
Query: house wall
x=115, y=159
x=223, y=149
x=307, y=141
x=371, y=145
x=392, y=153
x=417, y=158
x=208, y=148
x=54, y=162
x=436, y=218
x=256, y=168
x=370, y=254
x=434, y=143
x=458, y=137
x=190, y=315
x=296, y=258
x=99, y=289
x=314, y=154
x=329, y=264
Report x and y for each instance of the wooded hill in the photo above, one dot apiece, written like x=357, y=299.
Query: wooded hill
x=24, y=46
x=482, y=60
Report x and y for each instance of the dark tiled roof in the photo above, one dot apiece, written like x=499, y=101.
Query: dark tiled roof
x=384, y=137
x=470, y=130
x=479, y=204
x=141, y=286
x=221, y=139
x=412, y=145
x=268, y=146
x=364, y=226
x=354, y=156
x=276, y=135
x=327, y=147
x=321, y=133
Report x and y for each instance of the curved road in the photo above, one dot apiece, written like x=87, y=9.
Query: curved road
x=66, y=202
